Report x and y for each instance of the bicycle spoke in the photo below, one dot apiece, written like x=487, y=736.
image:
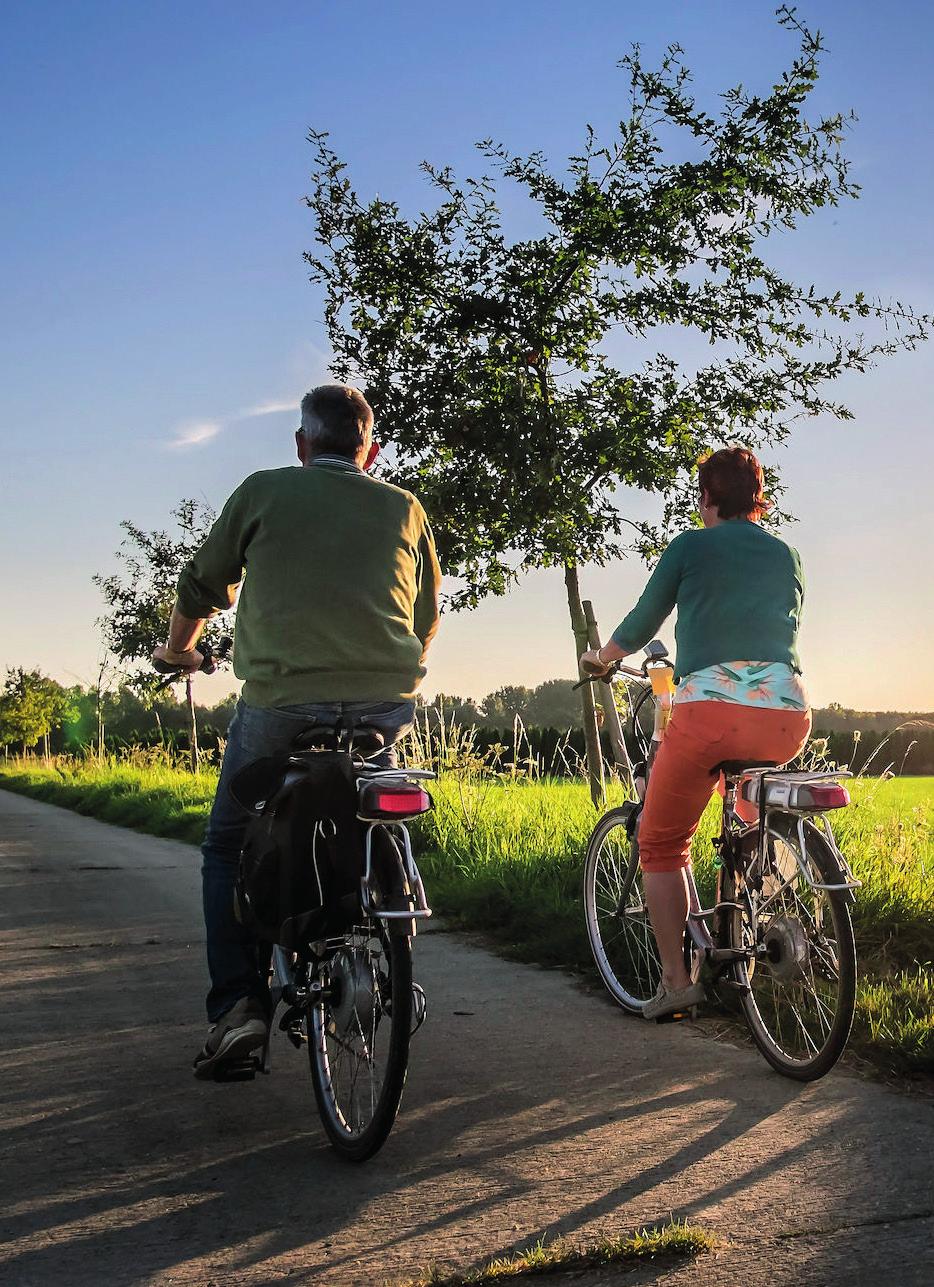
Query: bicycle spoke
x=357, y=1030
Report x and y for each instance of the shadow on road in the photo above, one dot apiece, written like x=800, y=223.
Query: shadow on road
x=532, y=1110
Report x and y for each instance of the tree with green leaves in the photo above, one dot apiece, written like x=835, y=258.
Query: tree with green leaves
x=487, y=359
x=31, y=706
x=140, y=596
x=506, y=704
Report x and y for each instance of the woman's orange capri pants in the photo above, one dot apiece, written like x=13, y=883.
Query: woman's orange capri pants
x=700, y=735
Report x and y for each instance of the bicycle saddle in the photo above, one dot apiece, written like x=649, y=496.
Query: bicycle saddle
x=735, y=768
x=328, y=737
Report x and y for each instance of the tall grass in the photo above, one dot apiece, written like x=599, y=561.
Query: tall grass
x=503, y=853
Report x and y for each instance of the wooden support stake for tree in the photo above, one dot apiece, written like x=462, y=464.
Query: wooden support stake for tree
x=611, y=719
x=193, y=725
x=588, y=709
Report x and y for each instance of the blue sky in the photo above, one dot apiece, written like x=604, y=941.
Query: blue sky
x=151, y=233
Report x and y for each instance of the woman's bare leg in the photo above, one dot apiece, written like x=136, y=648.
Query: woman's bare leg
x=666, y=893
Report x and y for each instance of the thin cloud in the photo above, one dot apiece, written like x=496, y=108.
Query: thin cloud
x=194, y=434
x=270, y=408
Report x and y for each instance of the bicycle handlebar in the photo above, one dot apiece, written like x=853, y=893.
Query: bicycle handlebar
x=656, y=654
x=207, y=667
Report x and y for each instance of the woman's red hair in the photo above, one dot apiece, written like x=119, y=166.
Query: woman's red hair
x=734, y=481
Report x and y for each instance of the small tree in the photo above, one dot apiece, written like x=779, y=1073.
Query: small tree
x=141, y=595
x=485, y=358
x=31, y=705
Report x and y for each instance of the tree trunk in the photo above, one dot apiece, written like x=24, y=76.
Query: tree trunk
x=588, y=709
x=159, y=726
x=611, y=719
x=193, y=724
x=45, y=747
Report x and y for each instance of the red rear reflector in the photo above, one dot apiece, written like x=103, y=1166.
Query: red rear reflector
x=401, y=801
x=831, y=796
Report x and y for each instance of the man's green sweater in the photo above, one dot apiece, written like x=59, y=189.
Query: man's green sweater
x=340, y=585
x=738, y=591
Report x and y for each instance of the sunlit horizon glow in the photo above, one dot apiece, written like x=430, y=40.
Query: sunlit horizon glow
x=161, y=329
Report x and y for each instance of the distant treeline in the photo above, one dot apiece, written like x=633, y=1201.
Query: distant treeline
x=561, y=751
x=548, y=716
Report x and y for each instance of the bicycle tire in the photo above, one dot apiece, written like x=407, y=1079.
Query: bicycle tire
x=824, y=1056
x=358, y=1146
x=631, y=972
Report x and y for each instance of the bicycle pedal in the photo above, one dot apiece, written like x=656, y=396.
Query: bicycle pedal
x=291, y=1019
x=677, y=1016
x=237, y=1069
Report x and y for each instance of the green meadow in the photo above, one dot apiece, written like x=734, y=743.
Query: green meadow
x=503, y=855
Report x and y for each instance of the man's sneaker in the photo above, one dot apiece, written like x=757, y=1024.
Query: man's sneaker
x=242, y=1029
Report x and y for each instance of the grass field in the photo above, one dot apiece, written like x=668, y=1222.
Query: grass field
x=505, y=856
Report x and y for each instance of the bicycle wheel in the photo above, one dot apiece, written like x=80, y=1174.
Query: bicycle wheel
x=801, y=975
x=618, y=925
x=358, y=1039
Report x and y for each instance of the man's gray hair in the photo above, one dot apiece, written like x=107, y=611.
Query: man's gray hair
x=336, y=420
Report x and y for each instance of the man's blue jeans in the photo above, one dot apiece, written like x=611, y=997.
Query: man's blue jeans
x=254, y=732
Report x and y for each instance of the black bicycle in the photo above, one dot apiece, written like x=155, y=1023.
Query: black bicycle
x=350, y=996
x=780, y=935
x=347, y=995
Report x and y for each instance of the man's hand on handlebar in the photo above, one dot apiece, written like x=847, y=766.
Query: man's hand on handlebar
x=192, y=660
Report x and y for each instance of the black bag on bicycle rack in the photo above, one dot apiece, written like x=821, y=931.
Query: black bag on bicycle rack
x=303, y=856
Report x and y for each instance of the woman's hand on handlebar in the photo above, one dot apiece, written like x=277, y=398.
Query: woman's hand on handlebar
x=591, y=663
x=165, y=660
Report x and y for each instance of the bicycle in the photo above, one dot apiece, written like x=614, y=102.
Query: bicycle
x=349, y=996
x=779, y=936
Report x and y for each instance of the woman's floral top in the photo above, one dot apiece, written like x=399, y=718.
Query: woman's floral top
x=767, y=684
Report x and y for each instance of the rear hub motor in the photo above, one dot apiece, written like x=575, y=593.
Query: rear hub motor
x=353, y=992
x=786, y=949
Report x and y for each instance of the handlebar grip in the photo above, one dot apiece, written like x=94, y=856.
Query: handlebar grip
x=598, y=676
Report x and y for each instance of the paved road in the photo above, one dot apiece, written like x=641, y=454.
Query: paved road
x=533, y=1108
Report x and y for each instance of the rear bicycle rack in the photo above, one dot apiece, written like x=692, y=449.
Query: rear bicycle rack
x=408, y=871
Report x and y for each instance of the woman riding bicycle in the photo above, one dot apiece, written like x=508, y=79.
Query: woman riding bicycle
x=738, y=591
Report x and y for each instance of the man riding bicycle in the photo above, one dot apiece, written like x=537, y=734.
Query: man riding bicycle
x=339, y=605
